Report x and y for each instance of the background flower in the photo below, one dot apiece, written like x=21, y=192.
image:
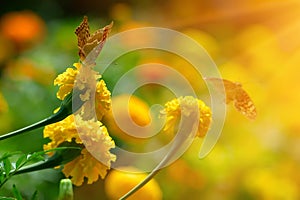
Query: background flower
x=22, y=28
x=128, y=112
x=126, y=181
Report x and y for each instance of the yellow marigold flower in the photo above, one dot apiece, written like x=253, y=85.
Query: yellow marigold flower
x=85, y=165
x=186, y=106
x=83, y=78
x=126, y=181
x=97, y=142
x=64, y=130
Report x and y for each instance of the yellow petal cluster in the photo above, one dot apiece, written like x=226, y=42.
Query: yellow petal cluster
x=186, y=106
x=97, y=143
x=84, y=79
x=65, y=81
x=60, y=132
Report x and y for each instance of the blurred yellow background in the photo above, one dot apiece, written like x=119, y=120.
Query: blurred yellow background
x=254, y=42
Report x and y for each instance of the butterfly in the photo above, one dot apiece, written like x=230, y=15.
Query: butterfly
x=90, y=44
x=236, y=94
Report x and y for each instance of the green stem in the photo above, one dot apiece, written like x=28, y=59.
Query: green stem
x=52, y=119
x=152, y=174
x=188, y=127
x=64, y=111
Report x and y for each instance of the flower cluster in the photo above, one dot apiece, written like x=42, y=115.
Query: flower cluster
x=83, y=127
x=185, y=106
x=84, y=79
x=97, y=142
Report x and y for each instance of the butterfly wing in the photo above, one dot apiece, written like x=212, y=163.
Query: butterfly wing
x=244, y=104
x=87, y=42
x=95, y=44
x=235, y=92
x=83, y=34
x=230, y=87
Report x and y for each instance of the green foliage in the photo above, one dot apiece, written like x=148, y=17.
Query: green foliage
x=16, y=193
x=17, y=162
x=11, y=163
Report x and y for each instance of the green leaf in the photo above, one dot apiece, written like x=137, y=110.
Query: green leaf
x=7, y=166
x=8, y=155
x=21, y=160
x=16, y=193
x=5, y=155
x=36, y=156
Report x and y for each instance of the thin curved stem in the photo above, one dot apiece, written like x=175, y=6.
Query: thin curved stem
x=187, y=129
x=152, y=174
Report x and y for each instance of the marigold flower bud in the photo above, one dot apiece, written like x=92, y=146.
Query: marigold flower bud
x=65, y=190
